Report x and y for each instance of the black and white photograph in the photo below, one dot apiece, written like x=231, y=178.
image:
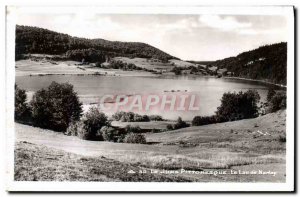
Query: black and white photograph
x=126, y=99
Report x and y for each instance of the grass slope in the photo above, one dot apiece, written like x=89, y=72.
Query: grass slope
x=39, y=163
x=258, y=135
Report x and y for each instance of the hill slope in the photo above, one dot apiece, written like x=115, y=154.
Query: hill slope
x=39, y=163
x=264, y=63
x=39, y=40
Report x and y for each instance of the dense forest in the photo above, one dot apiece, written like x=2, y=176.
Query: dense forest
x=43, y=41
x=268, y=63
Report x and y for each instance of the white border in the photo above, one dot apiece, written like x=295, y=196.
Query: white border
x=113, y=186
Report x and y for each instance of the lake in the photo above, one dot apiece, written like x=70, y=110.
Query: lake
x=91, y=87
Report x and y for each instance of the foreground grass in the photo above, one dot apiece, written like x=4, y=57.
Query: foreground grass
x=39, y=163
x=201, y=159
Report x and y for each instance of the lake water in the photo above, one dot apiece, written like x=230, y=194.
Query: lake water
x=90, y=88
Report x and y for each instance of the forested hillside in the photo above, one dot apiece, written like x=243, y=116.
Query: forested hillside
x=264, y=63
x=39, y=40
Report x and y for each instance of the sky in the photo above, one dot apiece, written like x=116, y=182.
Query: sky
x=188, y=37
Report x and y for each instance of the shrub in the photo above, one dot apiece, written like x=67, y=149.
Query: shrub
x=135, y=138
x=118, y=115
x=282, y=138
x=180, y=124
x=193, y=70
x=56, y=107
x=108, y=133
x=85, y=134
x=169, y=127
x=235, y=106
x=22, y=109
x=93, y=121
x=140, y=118
x=133, y=129
x=130, y=117
x=176, y=70
x=204, y=120
x=156, y=118
x=75, y=128
x=277, y=102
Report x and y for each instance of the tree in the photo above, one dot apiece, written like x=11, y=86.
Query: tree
x=277, y=102
x=93, y=121
x=108, y=133
x=194, y=70
x=204, y=120
x=169, y=127
x=180, y=124
x=56, y=107
x=236, y=106
x=22, y=110
x=176, y=70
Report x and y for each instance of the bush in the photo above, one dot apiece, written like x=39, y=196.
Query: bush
x=204, y=120
x=177, y=70
x=236, y=106
x=277, y=102
x=140, y=118
x=180, y=124
x=156, y=118
x=193, y=70
x=75, y=128
x=135, y=138
x=130, y=117
x=169, y=127
x=133, y=129
x=108, y=133
x=93, y=121
x=282, y=138
x=22, y=109
x=56, y=107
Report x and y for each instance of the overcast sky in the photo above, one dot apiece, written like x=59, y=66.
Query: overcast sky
x=189, y=37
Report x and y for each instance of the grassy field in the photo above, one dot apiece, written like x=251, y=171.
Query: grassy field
x=45, y=67
x=42, y=66
x=144, y=125
x=180, y=63
x=246, y=145
x=146, y=63
x=39, y=163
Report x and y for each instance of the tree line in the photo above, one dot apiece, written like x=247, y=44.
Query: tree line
x=268, y=62
x=38, y=40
